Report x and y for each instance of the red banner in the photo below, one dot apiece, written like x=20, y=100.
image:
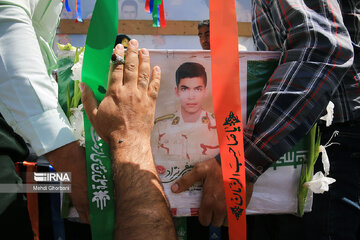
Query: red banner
x=162, y=14
x=227, y=108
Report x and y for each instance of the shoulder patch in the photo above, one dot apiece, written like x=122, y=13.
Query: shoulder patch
x=165, y=117
x=205, y=120
x=176, y=120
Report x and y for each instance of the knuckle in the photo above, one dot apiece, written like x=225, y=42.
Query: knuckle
x=156, y=85
x=144, y=76
x=131, y=50
x=154, y=89
x=198, y=168
x=201, y=168
x=145, y=59
x=131, y=67
x=116, y=75
x=114, y=92
x=153, y=95
x=142, y=83
x=143, y=80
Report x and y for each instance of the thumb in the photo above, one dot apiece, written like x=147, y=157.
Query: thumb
x=89, y=102
x=186, y=181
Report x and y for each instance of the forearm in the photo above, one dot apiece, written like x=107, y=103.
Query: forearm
x=315, y=57
x=71, y=158
x=142, y=209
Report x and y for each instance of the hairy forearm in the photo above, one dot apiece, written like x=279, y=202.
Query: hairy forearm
x=142, y=209
x=71, y=158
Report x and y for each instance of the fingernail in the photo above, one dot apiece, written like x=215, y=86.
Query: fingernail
x=157, y=69
x=175, y=187
x=119, y=46
x=81, y=87
x=144, y=52
x=134, y=42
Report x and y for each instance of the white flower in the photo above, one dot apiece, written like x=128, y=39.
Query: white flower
x=324, y=159
x=319, y=183
x=76, y=69
x=330, y=114
x=77, y=124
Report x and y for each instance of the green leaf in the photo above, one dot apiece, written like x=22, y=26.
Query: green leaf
x=77, y=95
x=68, y=113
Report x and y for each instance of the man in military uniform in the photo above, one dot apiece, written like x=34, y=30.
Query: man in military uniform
x=183, y=138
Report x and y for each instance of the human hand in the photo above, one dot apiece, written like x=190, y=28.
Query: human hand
x=128, y=108
x=124, y=119
x=213, y=202
x=71, y=158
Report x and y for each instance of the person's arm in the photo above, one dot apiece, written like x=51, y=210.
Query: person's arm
x=316, y=54
x=124, y=119
x=28, y=100
x=213, y=202
x=28, y=95
x=71, y=158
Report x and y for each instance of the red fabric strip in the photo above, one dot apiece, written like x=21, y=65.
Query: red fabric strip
x=227, y=107
x=32, y=199
x=162, y=15
x=147, y=6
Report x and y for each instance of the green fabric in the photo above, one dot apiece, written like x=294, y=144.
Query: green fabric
x=98, y=49
x=180, y=227
x=12, y=149
x=258, y=73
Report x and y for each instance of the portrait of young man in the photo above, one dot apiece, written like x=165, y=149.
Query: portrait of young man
x=186, y=136
x=128, y=10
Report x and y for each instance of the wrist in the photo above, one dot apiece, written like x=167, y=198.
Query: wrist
x=130, y=149
x=124, y=143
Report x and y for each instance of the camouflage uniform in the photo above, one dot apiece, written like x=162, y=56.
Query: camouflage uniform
x=177, y=146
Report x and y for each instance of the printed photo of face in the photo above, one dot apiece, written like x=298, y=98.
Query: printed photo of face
x=191, y=92
x=128, y=9
x=129, y=12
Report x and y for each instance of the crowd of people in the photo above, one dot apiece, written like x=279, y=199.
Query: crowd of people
x=319, y=43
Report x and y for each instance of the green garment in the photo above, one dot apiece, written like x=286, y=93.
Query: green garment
x=12, y=149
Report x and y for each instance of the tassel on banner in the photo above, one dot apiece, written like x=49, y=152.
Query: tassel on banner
x=147, y=6
x=67, y=7
x=78, y=11
x=151, y=6
x=155, y=13
x=162, y=15
x=156, y=8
